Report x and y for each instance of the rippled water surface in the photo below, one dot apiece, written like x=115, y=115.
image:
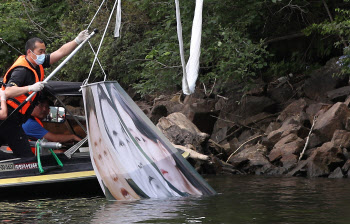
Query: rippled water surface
x=240, y=199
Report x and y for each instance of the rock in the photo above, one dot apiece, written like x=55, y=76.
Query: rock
x=346, y=166
x=293, y=109
x=317, y=109
x=289, y=161
x=250, y=159
x=198, y=110
x=245, y=135
x=181, y=131
x=157, y=112
x=336, y=174
x=274, y=136
x=341, y=138
x=324, y=160
x=338, y=95
x=347, y=101
x=290, y=144
x=298, y=119
x=347, y=124
x=220, y=104
x=314, y=141
x=252, y=105
x=272, y=127
x=331, y=120
x=258, y=118
x=299, y=170
x=220, y=135
x=162, y=108
x=281, y=94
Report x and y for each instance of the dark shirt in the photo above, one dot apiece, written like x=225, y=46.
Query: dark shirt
x=22, y=76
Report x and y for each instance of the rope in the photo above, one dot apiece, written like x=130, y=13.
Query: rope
x=95, y=14
x=2, y=41
x=103, y=36
x=103, y=71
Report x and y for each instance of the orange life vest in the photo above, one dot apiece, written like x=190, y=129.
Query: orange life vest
x=15, y=102
x=32, y=148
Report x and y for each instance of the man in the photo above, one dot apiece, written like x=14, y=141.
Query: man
x=34, y=128
x=24, y=77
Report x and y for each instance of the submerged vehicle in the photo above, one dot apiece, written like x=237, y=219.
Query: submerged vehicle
x=67, y=170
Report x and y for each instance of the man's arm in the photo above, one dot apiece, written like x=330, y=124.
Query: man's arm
x=61, y=137
x=63, y=51
x=14, y=91
x=67, y=48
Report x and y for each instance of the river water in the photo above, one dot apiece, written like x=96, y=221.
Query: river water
x=240, y=199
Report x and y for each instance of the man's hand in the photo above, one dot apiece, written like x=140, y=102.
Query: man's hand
x=82, y=36
x=2, y=95
x=36, y=87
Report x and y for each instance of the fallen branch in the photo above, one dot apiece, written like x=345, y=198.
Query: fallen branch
x=243, y=145
x=307, y=138
x=193, y=154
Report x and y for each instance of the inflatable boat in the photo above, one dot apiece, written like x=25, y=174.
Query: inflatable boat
x=68, y=170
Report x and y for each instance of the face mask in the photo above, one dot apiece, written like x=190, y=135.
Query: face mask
x=39, y=58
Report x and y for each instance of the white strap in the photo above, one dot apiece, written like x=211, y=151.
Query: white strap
x=185, y=88
x=118, y=19
x=190, y=74
x=195, y=50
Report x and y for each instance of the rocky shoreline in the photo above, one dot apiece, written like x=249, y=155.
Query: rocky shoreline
x=298, y=125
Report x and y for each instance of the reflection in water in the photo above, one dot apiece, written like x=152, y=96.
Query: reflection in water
x=68, y=210
x=156, y=210
x=241, y=199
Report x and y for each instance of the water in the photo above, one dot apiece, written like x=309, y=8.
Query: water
x=240, y=199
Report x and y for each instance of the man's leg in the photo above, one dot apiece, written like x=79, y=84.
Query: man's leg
x=18, y=140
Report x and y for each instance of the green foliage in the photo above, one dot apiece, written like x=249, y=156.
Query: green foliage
x=13, y=29
x=237, y=57
x=235, y=38
x=338, y=29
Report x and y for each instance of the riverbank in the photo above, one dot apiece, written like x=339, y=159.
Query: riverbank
x=297, y=125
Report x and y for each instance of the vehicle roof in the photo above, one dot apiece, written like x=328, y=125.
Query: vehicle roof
x=63, y=88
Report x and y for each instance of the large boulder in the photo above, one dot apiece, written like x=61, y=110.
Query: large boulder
x=292, y=109
x=333, y=119
x=181, y=131
x=325, y=160
x=341, y=138
x=285, y=130
x=251, y=160
x=338, y=95
x=316, y=109
x=290, y=144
